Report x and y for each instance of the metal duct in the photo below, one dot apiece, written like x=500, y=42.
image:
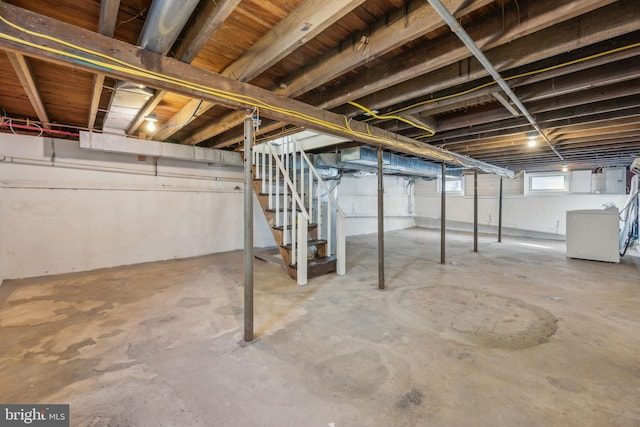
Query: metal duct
x=164, y=23
x=166, y=20
x=366, y=159
x=126, y=101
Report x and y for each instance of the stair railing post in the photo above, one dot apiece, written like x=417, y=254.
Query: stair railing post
x=302, y=250
x=341, y=257
x=285, y=216
x=310, y=194
x=329, y=228
x=295, y=171
x=277, y=195
x=302, y=179
x=319, y=212
x=270, y=189
x=263, y=165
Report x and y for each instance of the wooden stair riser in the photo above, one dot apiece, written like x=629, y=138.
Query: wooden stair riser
x=321, y=263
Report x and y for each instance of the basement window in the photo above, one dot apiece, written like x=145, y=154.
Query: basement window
x=549, y=182
x=451, y=185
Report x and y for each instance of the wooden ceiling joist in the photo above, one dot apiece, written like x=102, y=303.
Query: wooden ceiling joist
x=23, y=69
x=153, y=70
x=205, y=26
x=108, y=20
x=307, y=21
x=416, y=24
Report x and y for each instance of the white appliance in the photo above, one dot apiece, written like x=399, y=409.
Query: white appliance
x=594, y=234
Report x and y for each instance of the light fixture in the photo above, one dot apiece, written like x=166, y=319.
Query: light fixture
x=151, y=120
x=565, y=167
x=532, y=139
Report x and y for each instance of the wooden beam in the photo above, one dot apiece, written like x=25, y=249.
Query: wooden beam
x=488, y=33
x=148, y=108
x=613, y=21
x=303, y=24
x=417, y=23
x=502, y=99
x=96, y=92
x=207, y=23
x=556, y=124
x=425, y=121
x=23, y=70
x=108, y=19
x=438, y=69
x=496, y=118
x=153, y=70
x=300, y=26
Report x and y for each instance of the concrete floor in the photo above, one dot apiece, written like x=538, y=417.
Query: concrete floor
x=514, y=335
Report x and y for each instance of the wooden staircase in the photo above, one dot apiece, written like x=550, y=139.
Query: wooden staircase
x=289, y=190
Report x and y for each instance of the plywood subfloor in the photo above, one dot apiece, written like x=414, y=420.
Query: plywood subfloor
x=514, y=335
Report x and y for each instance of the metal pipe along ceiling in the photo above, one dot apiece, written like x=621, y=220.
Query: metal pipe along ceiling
x=451, y=21
x=166, y=20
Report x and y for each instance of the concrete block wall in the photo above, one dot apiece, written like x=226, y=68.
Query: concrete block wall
x=80, y=210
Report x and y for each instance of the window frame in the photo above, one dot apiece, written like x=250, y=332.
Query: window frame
x=457, y=179
x=532, y=176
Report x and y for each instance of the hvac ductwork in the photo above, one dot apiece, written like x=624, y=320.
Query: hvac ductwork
x=166, y=20
x=162, y=27
x=366, y=159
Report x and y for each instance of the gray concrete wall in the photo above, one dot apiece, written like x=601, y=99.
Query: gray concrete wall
x=1, y=233
x=82, y=210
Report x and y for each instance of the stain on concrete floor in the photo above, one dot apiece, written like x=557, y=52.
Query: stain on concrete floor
x=479, y=342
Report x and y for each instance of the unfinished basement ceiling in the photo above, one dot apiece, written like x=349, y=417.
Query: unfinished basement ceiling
x=575, y=65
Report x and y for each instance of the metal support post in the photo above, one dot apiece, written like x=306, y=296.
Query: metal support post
x=500, y=214
x=380, y=222
x=443, y=220
x=475, y=210
x=248, y=231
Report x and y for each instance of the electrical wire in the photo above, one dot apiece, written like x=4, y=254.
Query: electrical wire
x=374, y=115
x=493, y=82
x=124, y=67
x=115, y=64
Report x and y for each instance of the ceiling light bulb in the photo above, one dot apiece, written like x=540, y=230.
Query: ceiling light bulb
x=151, y=122
x=532, y=143
x=565, y=167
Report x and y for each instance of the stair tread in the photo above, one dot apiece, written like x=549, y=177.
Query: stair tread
x=311, y=242
x=320, y=266
x=281, y=227
x=319, y=261
x=282, y=209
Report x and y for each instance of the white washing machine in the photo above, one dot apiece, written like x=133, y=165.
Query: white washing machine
x=594, y=234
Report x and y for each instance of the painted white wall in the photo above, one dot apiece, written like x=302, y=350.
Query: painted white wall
x=81, y=210
x=2, y=275
x=358, y=198
x=541, y=214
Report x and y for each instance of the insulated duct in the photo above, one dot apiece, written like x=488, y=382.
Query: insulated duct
x=365, y=159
